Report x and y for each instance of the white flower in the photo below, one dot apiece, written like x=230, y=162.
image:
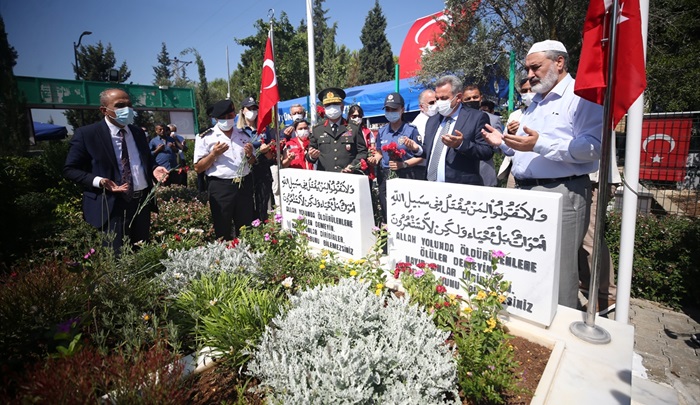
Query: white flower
x=177, y=275
x=287, y=283
x=160, y=233
x=197, y=230
x=213, y=302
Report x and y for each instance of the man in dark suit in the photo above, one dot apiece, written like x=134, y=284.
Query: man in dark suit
x=453, y=142
x=113, y=163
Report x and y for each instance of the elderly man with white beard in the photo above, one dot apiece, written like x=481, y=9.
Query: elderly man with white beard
x=555, y=148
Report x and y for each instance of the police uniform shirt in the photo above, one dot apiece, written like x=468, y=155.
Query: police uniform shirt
x=227, y=164
x=338, y=151
x=388, y=135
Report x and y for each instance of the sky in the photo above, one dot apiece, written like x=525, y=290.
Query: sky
x=43, y=31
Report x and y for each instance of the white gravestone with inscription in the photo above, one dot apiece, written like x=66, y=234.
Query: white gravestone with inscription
x=337, y=209
x=446, y=223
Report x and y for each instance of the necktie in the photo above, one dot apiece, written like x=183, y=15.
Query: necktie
x=126, y=167
x=437, y=151
x=334, y=127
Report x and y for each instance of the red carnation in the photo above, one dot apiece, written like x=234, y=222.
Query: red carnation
x=421, y=265
x=432, y=266
x=177, y=237
x=441, y=289
x=363, y=164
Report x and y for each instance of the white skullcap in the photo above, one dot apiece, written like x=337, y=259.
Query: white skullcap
x=548, y=45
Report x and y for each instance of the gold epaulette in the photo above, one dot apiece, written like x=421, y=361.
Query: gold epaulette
x=206, y=132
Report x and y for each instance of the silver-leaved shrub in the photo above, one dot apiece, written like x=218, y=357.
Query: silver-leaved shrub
x=183, y=266
x=342, y=344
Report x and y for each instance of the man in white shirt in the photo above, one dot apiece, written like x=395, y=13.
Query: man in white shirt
x=555, y=148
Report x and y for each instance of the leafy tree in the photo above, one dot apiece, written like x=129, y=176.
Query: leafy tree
x=673, y=51
x=331, y=72
x=217, y=90
x=321, y=29
x=202, y=90
x=376, y=57
x=14, y=138
x=95, y=62
x=291, y=59
x=468, y=49
x=352, y=77
x=161, y=72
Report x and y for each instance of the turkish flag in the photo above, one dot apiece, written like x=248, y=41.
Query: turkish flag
x=665, y=147
x=269, y=93
x=629, y=79
x=421, y=38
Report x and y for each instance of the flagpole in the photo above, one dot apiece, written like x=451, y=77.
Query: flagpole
x=588, y=330
x=629, y=200
x=312, y=63
x=275, y=114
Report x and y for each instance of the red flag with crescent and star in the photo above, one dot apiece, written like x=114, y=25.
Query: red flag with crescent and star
x=629, y=80
x=269, y=92
x=421, y=39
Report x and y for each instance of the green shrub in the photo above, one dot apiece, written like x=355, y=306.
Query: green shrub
x=285, y=253
x=33, y=303
x=148, y=377
x=182, y=210
x=229, y=313
x=666, y=267
x=343, y=344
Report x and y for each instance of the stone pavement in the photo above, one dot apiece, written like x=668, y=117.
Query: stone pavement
x=670, y=360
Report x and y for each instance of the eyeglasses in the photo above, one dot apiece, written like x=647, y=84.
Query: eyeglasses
x=355, y=116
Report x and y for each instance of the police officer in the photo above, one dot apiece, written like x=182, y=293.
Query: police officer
x=336, y=145
x=221, y=152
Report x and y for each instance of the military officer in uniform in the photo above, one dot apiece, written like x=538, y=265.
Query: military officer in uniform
x=221, y=152
x=336, y=145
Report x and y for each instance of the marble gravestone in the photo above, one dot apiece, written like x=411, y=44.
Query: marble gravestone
x=446, y=223
x=336, y=207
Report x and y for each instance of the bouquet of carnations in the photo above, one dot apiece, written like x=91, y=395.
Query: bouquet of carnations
x=395, y=154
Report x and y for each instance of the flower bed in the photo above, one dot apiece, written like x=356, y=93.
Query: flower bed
x=353, y=337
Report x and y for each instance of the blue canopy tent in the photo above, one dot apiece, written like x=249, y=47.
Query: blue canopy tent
x=49, y=132
x=370, y=97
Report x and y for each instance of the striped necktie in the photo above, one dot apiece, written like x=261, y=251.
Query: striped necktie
x=437, y=151
x=126, y=167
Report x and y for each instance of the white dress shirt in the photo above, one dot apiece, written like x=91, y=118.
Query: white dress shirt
x=570, y=129
x=138, y=172
x=441, y=158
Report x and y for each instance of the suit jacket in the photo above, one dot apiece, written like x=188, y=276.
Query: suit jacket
x=461, y=164
x=348, y=147
x=91, y=154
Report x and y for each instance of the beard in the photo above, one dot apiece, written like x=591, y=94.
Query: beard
x=547, y=83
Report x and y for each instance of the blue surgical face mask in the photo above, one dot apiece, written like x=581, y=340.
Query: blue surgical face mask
x=124, y=116
x=392, y=116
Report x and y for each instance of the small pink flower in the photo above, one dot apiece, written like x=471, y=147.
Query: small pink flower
x=256, y=223
x=278, y=218
x=267, y=237
x=497, y=254
x=469, y=259
x=418, y=273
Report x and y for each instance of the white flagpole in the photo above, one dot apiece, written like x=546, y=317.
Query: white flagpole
x=633, y=147
x=228, y=78
x=312, y=63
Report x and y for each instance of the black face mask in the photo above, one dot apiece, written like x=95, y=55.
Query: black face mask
x=475, y=104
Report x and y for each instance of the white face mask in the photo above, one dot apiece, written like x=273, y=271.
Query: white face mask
x=431, y=110
x=302, y=133
x=225, y=125
x=527, y=98
x=333, y=112
x=444, y=107
x=392, y=116
x=356, y=121
x=251, y=114
x=297, y=117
